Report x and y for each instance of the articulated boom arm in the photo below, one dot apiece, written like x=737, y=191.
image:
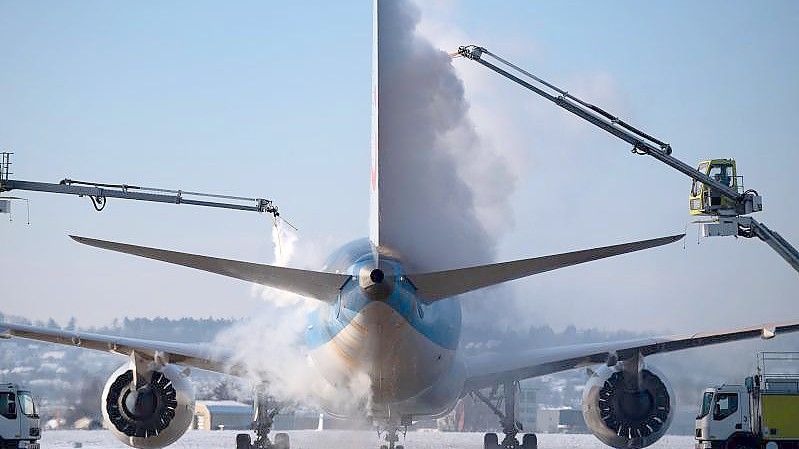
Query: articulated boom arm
x=642, y=142
x=100, y=192
x=744, y=203
x=749, y=227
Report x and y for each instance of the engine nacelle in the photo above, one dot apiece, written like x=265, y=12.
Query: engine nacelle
x=153, y=416
x=622, y=417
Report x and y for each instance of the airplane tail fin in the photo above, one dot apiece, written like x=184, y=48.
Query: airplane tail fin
x=442, y=284
x=312, y=284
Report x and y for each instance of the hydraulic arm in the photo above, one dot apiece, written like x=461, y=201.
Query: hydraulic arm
x=100, y=192
x=719, y=194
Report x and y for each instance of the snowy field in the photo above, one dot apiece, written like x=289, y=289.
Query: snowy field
x=336, y=439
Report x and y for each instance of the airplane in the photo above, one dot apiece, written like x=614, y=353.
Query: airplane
x=381, y=317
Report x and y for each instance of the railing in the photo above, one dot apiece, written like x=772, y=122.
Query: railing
x=5, y=166
x=779, y=368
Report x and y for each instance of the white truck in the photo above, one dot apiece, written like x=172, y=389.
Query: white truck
x=19, y=421
x=761, y=414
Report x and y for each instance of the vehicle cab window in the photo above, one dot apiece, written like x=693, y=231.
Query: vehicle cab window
x=697, y=186
x=26, y=404
x=8, y=405
x=707, y=404
x=722, y=174
x=726, y=405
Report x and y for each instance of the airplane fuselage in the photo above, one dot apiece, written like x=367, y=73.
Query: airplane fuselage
x=378, y=327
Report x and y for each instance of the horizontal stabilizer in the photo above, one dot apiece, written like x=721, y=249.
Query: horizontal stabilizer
x=312, y=284
x=443, y=284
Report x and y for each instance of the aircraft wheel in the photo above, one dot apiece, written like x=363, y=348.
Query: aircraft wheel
x=383, y=446
x=282, y=441
x=243, y=441
x=490, y=441
x=399, y=446
x=529, y=441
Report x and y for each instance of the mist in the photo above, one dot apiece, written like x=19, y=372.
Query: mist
x=444, y=192
x=270, y=345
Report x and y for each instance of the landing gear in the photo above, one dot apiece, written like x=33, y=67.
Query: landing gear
x=507, y=419
x=265, y=408
x=491, y=441
x=392, y=438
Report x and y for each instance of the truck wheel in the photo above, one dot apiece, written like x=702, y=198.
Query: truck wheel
x=740, y=443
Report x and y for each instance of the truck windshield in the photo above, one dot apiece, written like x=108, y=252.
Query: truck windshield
x=707, y=403
x=26, y=403
x=8, y=405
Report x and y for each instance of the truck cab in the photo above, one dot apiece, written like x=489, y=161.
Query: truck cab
x=704, y=200
x=19, y=420
x=762, y=413
x=723, y=417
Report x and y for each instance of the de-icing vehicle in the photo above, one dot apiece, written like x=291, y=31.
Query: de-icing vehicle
x=19, y=422
x=761, y=413
x=717, y=191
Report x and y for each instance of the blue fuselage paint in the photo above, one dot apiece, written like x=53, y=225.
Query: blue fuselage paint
x=407, y=348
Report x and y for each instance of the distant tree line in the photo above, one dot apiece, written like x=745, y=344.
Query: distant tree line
x=69, y=380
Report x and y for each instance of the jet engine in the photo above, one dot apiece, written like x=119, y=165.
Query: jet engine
x=628, y=408
x=153, y=415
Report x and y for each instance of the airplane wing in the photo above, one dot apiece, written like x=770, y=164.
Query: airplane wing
x=194, y=355
x=487, y=370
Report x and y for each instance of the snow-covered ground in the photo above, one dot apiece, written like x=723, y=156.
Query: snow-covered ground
x=338, y=439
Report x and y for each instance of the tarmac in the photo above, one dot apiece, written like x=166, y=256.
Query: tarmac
x=339, y=439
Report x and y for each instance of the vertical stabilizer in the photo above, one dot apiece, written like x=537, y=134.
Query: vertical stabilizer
x=374, y=196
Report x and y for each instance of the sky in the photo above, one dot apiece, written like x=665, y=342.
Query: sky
x=272, y=99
